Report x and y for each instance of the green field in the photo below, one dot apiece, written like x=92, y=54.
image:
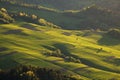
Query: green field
x=25, y=43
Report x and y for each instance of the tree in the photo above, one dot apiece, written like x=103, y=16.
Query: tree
x=29, y=75
x=42, y=21
x=22, y=14
x=5, y=17
x=34, y=16
x=46, y=23
x=4, y=10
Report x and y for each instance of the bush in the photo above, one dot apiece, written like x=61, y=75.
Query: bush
x=72, y=59
x=56, y=53
x=46, y=23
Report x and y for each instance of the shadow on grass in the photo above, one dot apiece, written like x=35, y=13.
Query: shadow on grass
x=28, y=26
x=108, y=41
x=92, y=64
x=63, y=48
x=7, y=60
x=17, y=32
x=3, y=49
x=8, y=63
x=113, y=60
x=117, y=61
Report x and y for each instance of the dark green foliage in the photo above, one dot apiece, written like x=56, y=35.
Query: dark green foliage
x=5, y=17
x=33, y=19
x=46, y=23
x=33, y=73
x=72, y=59
x=26, y=17
x=115, y=33
x=58, y=53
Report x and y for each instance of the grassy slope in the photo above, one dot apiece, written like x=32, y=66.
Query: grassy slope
x=73, y=4
x=89, y=18
x=25, y=46
x=61, y=4
x=54, y=17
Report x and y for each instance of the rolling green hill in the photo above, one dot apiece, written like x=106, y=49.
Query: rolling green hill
x=72, y=4
x=83, y=44
x=91, y=54
x=92, y=17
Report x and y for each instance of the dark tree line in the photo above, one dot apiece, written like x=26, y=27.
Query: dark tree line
x=33, y=19
x=5, y=17
x=33, y=73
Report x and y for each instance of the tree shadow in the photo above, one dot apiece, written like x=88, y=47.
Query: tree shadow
x=67, y=33
x=83, y=69
x=108, y=41
x=94, y=65
x=63, y=48
x=8, y=63
x=16, y=31
x=3, y=49
x=28, y=26
x=113, y=60
x=117, y=61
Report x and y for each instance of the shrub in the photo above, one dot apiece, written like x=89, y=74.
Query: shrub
x=46, y=23
x=72, y=59
x=56, y=53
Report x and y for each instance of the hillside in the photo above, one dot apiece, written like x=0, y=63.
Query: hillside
x=73, y=4
x=92, y=55
x=48, y=40
x=92, y=17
